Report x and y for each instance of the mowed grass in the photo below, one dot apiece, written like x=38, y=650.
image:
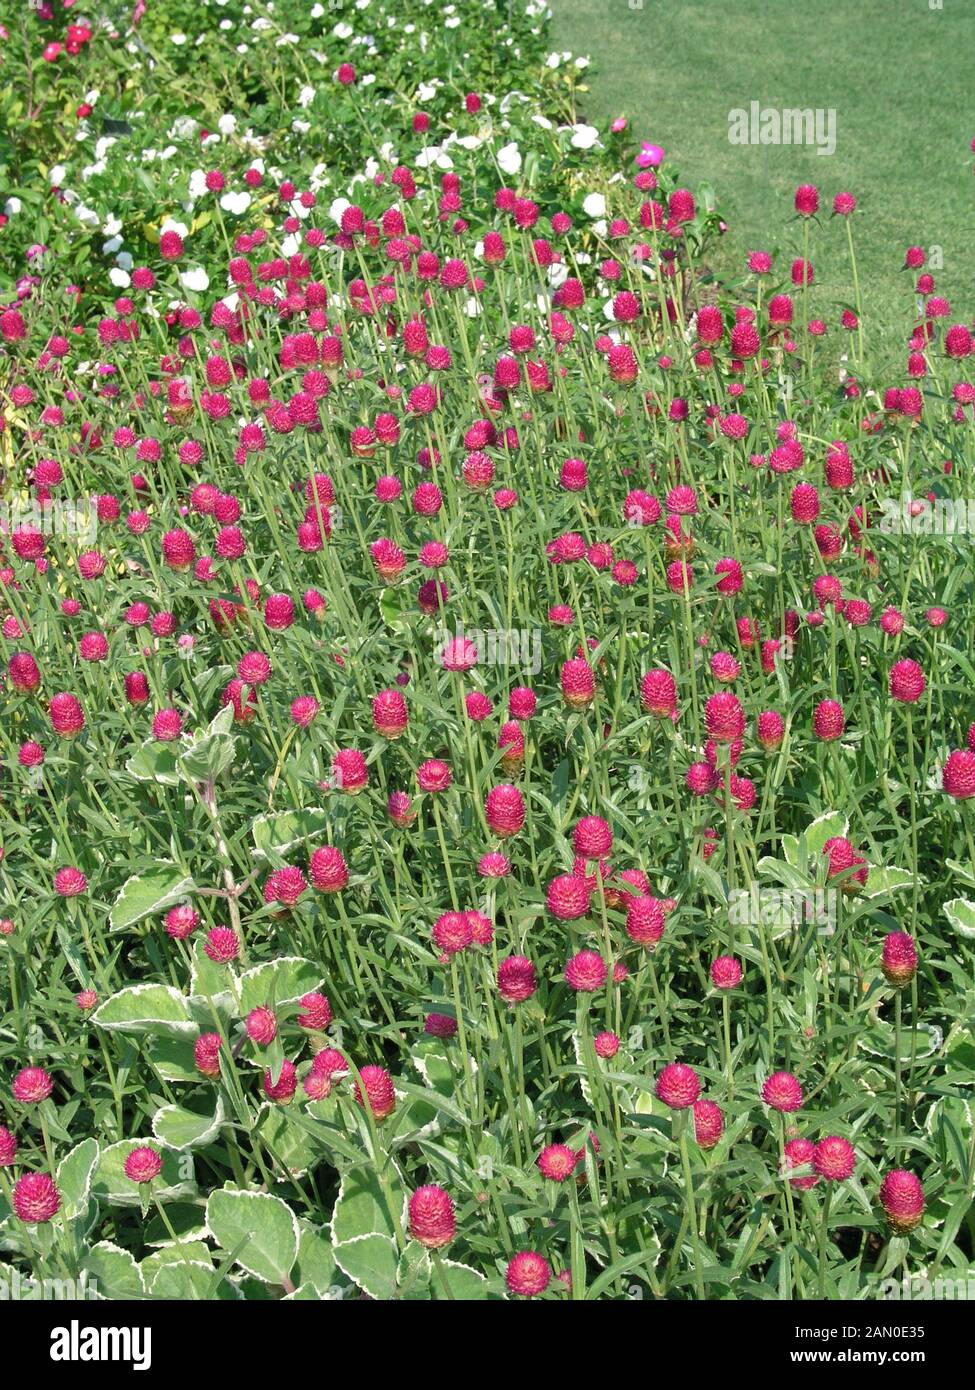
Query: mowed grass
x=896, y=73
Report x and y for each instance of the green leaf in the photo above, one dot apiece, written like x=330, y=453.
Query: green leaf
x=172, y=1058
x=466, y=1284
x=276, y=835
x=370, y=1261
x=278, y=982
x=113, y=1272
x=363, y=1231
x=146, y=1009
x=208, y=757
x=289, y=1141
x=149, y=893
x=154, y=762
x=190, y=1279
x=823, y=828
x=74, y=1177
x=961, y=914
x=261, y=1225
x=885, y=879
x=183, y=1129
x=316, y=1261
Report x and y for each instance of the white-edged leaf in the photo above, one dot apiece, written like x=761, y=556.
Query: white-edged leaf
x=260, y=1227
x=148, y=893
x=961, y=914
x=150, y=1008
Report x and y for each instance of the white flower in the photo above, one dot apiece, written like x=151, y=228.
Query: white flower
x=227, y=124
x=584, y=137
x=119, y=278
x=338, y=207
x=195, y=279
x=169, y=225
x=235, y=202
x=582, y=63
x=112, y=225
x=12, y=206
x=58, y=175
x=509, y=159
x=343, y=31
x=306, y=96
x=552, y=61
x=291, y=245
x=594, y=205
x=111, y=245
x=177, y=39
x=434, y=154
x=198, y=184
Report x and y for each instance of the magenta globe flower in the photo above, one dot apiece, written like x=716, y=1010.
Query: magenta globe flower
x=650, y=155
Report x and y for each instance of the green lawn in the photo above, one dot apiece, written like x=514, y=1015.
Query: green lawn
x=896, y=73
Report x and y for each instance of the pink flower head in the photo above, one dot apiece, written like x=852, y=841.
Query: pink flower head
x=143, y=1164
x=797, y=1158
x=433, y=776
x=504, y=808
x=528, y=1274
x=834, y=1158
x=32, y=1085
x=678, y=1086
x=379, y=1091
x=725, y=972
x=958, y=774
x=282, y=1090
x=782, y=1092
x=907, y=682
x=36, y=1199
x=708, y=1123
x=517, y=980
x=70, y=882
x=592, y=838
x=222, y=945
x=568, y=897
x=557, y=1162
x=432, y=1220
x=829, y=721
x=902, y=1198
x=644, y=919
x=586, y=972
x=899, y=960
